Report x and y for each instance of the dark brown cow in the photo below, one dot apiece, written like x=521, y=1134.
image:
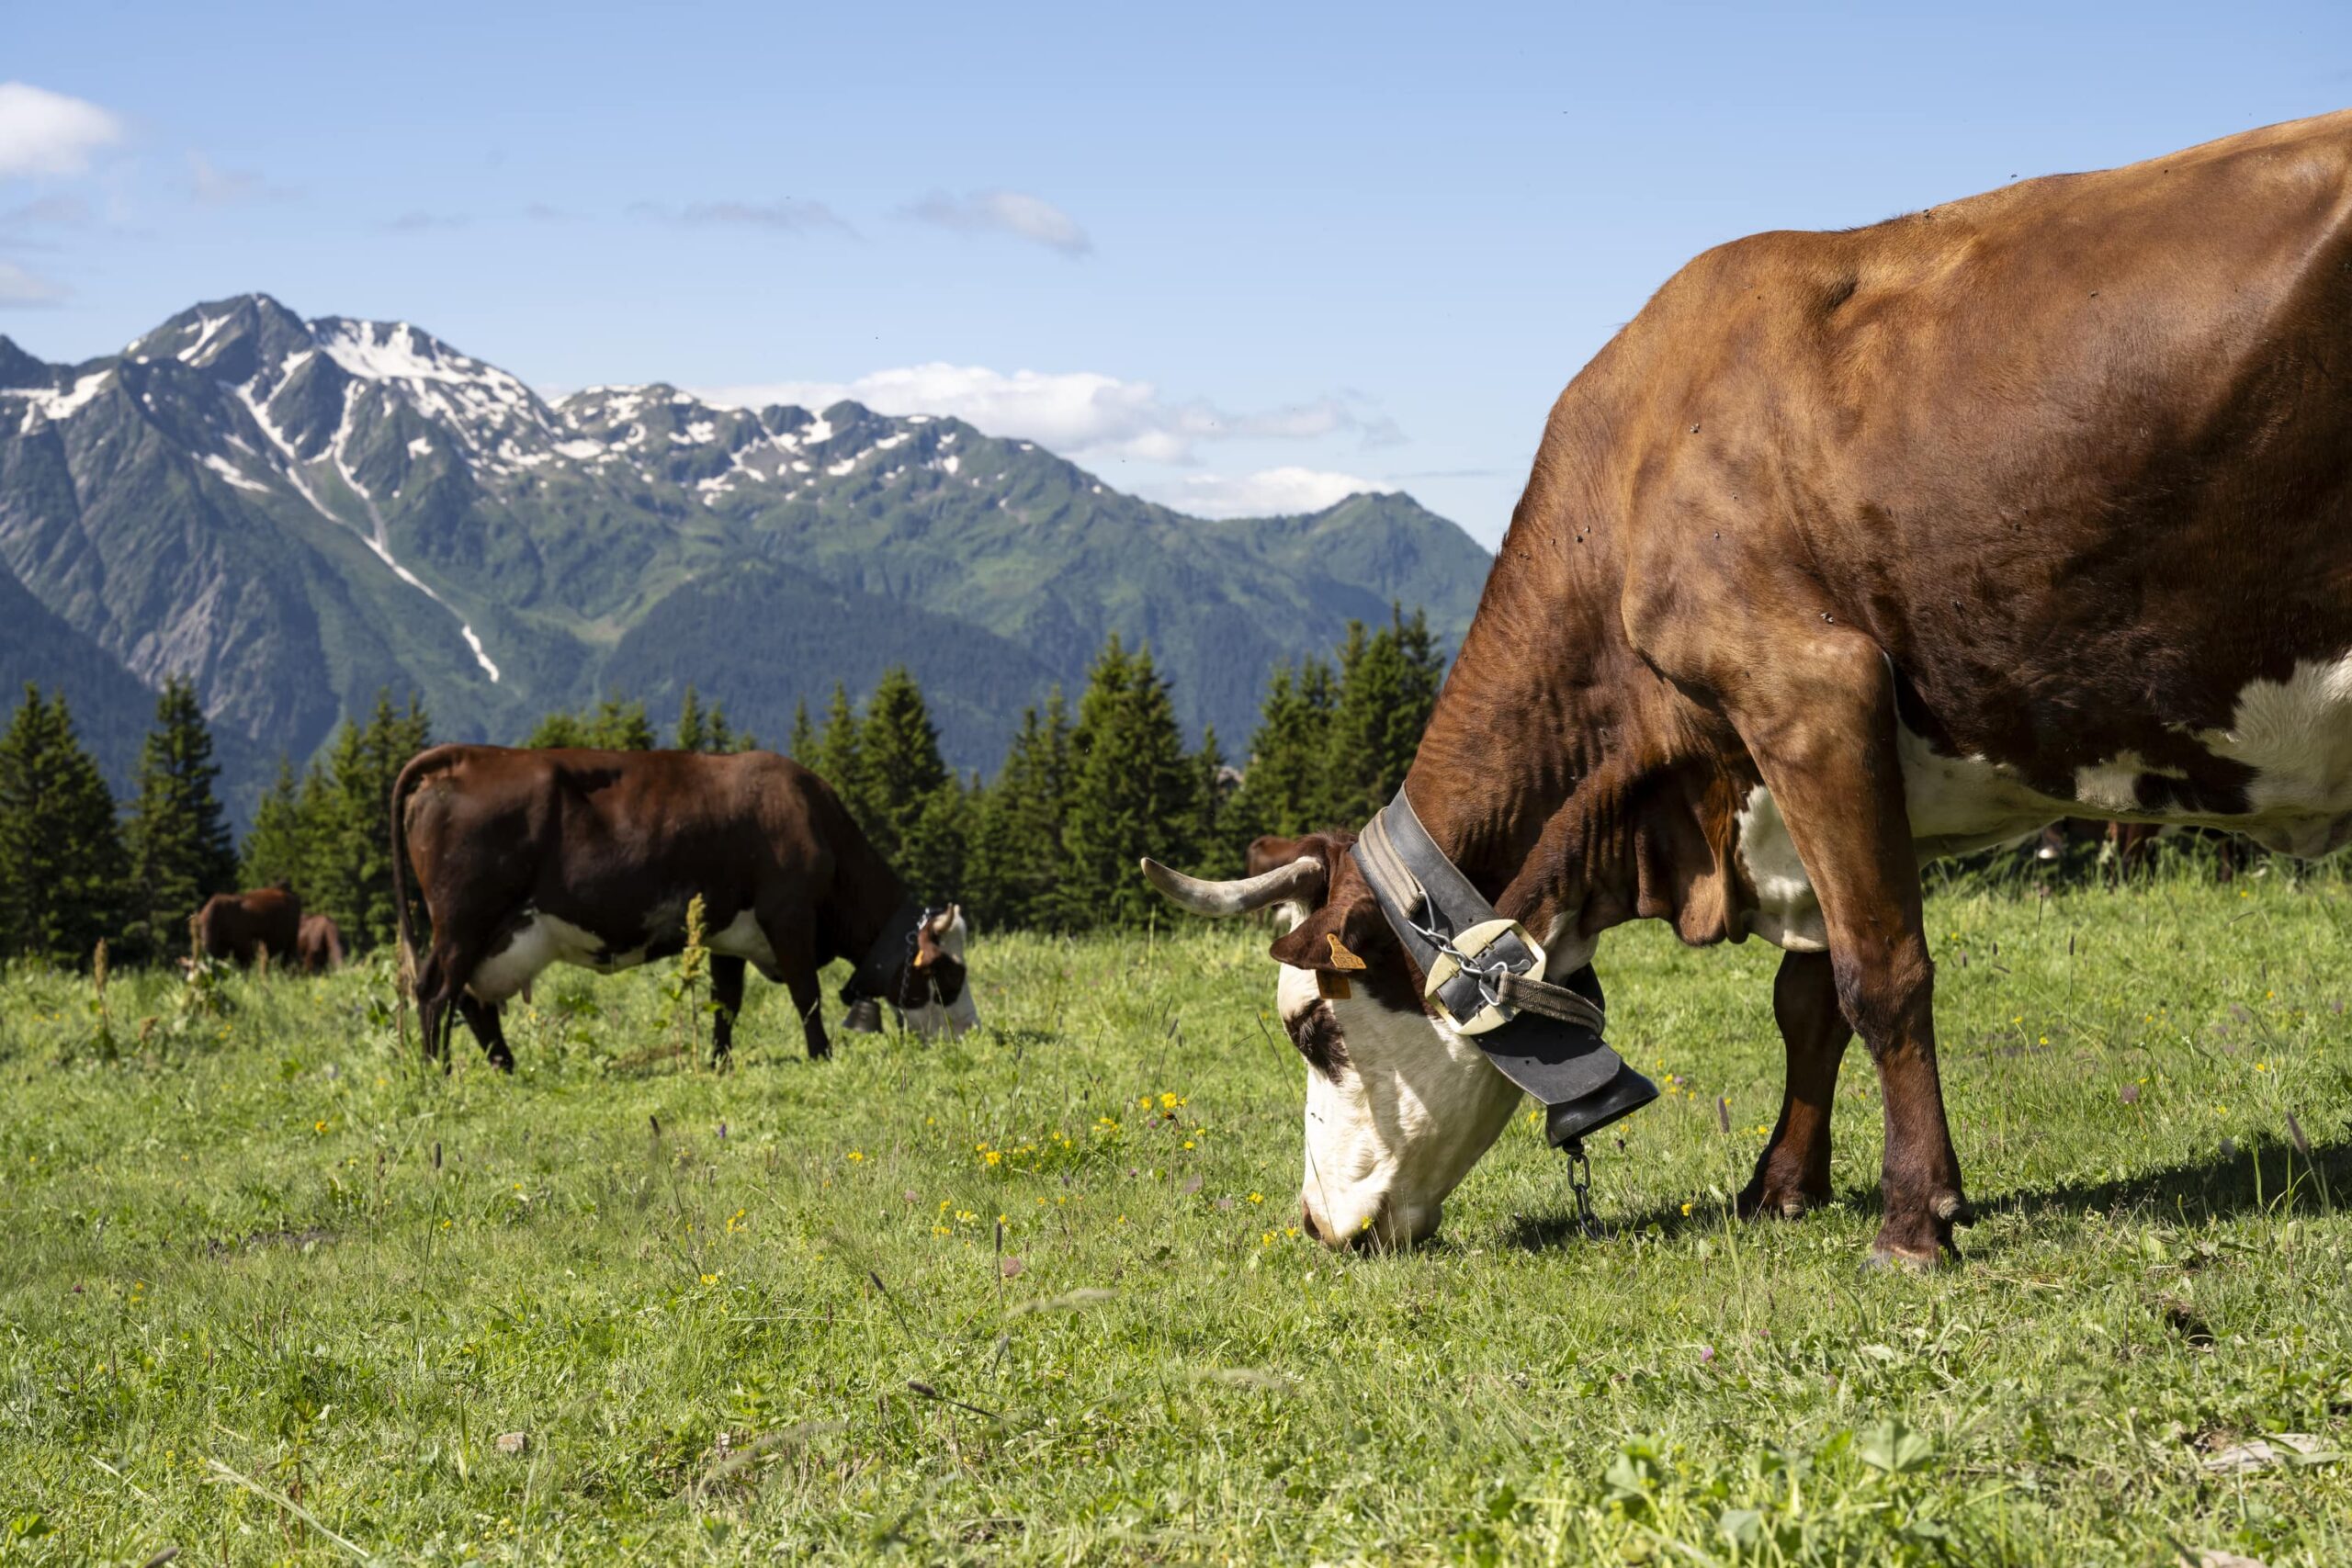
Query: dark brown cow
x=527, y=858
x=318, y=948
x=244, y=926
x=1857, y=548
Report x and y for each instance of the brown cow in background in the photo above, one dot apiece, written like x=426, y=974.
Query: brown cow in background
x=527, y=858
x=244, y=926
x=318, y=947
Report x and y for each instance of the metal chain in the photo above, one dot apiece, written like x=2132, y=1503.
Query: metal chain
x=1580, y=1183
x=1443, y=942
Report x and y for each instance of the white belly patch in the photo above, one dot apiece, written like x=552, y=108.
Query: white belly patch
x=744, y=938
x=2296, y=735
x=541, y=940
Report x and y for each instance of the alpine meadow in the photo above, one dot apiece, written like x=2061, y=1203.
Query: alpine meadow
x=1539, y=785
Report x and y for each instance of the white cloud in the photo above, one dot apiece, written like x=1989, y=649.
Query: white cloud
x=1266, y=493
x=785, y=217
x=21, y=287
x=1010, y=212
x=217, y=186
x=1082, y=414
x=43, y=132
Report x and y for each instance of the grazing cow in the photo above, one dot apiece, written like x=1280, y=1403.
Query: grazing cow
x=1853, y=550
x=318, y=947
x=527, y=858
x=245, y=926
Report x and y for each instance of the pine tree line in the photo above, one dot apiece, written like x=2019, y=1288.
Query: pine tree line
x=1051, y=843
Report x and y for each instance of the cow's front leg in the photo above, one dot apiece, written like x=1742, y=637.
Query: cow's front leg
x=726, y=994
x=1793, y=1173
x=795, y=947
x=1817, y=714
x=482, y=1018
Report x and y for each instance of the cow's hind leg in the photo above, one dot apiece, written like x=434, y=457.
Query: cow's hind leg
x=1819, y=716
x=483, y=1019
x=1793, y=1173
x=727, y=994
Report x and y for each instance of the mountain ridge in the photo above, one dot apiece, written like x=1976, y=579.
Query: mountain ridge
x=294, y=513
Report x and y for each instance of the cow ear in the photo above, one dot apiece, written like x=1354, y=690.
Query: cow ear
x=1347, y=934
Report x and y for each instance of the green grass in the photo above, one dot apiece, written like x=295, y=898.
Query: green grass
x=233, y=1270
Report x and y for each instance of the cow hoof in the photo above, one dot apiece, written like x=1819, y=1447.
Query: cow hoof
x=1771, y=1200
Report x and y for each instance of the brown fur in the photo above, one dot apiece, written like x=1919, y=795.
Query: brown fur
x=616, y=843
x=2051, y=473
x=318, y=946
x=243, y=925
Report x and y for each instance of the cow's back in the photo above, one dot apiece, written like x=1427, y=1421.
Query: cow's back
x=2072, y=451
x=610, y=830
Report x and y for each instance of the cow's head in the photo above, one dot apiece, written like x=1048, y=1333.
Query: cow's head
x=1399, y=1106
x=931, y=992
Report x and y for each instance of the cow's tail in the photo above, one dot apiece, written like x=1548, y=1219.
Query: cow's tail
x=402, y=788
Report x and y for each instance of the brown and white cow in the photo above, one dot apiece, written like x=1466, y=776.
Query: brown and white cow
x=245, y=926
x=318, y=946
x=528, y=858
x=1858, y=548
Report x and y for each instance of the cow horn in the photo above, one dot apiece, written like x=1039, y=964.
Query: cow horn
x=1238, y=897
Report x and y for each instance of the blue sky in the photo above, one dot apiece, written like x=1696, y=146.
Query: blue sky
x=1235, y=258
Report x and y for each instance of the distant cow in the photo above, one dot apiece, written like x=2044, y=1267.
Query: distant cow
x=527, y=858
x=318, y=947
x=1269, y=852
x=244, y=926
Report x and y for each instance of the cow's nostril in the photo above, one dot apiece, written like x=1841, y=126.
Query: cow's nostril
x=1314, y=1226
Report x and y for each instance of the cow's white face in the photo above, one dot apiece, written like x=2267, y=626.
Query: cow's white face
x=1398, y=1108
x=935, y=992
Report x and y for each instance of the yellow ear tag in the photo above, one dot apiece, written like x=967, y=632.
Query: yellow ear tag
x=1340, y=957
x=1332, y=987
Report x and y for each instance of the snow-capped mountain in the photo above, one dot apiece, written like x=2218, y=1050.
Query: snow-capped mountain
x=297, y=513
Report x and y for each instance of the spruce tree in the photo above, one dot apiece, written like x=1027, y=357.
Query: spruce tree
x=61, y=865
x=350, y=819
x=180, y=848
x=1131, y=791
x=693, y=733
x=1015, y=865
x=559, y=728
x=621, y=726
x=839, y=757
x=898, y=763
x=1387, y=687
x=933, y=861
x=802, y=747
x=1286, y=787
x=1214, y=851
x=275, y=847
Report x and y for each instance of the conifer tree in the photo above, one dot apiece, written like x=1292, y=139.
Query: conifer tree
x=1388, y=685
x=898, y=763
x=1286, y=787
x=1015, y=865
x=1131, y=791
x=935, y=859
x=693, y=733
x=178, y=837
x=621, y=726
x=351, y=819
x=559, y=728
x=61, y=865
x=802, y=746
x=1214, y=850
x=275, y=848
x=840, y=757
